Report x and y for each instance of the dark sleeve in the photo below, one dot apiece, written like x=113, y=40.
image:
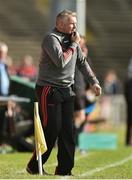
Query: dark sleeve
x=128, y=90
x=86, y=70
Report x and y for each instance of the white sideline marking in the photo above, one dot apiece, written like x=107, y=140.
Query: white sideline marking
x=118, y=163
x=76, y=159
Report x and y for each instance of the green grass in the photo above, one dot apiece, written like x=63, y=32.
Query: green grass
x=101, y=164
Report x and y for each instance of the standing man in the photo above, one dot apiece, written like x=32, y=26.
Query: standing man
x=80, y=86
x=4, y=86
x=128, y=97
x=54, y=88
x=4, y=76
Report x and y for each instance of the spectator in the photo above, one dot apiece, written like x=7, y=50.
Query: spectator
x=18, y=128
x=12, y=69
x=80, y=90
x=128, y=96
x=8, y=111
x=112, y=84
x=27, y=69
x=4, y=76
x=4, y=84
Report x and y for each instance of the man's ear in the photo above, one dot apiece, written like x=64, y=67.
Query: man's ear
x=61, y=24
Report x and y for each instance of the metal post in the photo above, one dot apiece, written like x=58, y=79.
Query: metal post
x=81, y=16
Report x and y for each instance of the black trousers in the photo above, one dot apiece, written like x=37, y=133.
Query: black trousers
x=129, y=124
x=56, y=112
x=3, y=109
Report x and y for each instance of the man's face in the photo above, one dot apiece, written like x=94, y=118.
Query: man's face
x=69, y=25
x=3, y=54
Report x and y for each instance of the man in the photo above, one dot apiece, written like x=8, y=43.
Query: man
x=81, y=88
x=4, y=77
x=128, y=97
x=54, y=88
x=4, y=85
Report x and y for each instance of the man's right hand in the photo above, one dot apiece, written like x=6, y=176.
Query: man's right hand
x=75, y=37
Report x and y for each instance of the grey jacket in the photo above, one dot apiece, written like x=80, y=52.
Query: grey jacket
x=58, y=60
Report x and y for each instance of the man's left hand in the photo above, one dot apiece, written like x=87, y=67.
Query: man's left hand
x=96, y=89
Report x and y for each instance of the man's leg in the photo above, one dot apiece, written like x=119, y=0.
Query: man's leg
x=50, y=117
x=66, y=140
x=3, y=124
x=129, y=126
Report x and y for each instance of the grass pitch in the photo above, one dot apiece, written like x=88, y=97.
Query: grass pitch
x=97, y=164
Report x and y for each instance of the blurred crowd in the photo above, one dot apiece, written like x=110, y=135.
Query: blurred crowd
x=16, y=126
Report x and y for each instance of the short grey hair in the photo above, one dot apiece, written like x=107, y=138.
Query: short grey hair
x=64, y=14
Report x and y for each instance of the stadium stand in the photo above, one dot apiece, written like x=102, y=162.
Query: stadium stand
x=110, y=24
x=23, y=25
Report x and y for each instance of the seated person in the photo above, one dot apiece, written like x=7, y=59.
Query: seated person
x=18, y=127
x=27, y=69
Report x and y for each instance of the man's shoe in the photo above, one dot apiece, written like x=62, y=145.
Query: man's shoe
x=59, y=174
x=30, y=171
x=35, y=172
x=70, y=174
x=62, y=174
